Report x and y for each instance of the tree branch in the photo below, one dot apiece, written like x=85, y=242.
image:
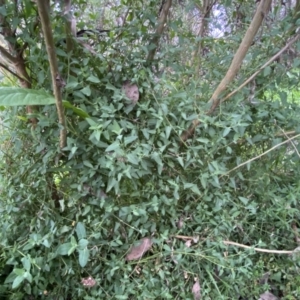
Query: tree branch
x=159, y=30
x=10, y=71
x=262, y=154
x=12, y=59
x=70, y=25
x=56, y=81
x=236, y=63
x=273, y=58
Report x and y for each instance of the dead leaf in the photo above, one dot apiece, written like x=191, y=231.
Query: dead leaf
x=264, y=279
x=267, y=296
x=196, y=239
x=137, y=252
x=88, y=282
x=196, y=290
x=131, y=91
x=185, y=275
x=188, y=243
x=137, y=270
x=180, y=223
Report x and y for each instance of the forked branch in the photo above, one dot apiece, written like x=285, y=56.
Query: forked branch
x=236, y=63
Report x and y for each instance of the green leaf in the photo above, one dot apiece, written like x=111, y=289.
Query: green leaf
x=116, y=128
x=63, y=249
x=111, y=183
x=244, y=200
x=92, y=122
x=26, y=263
x=168, y=131
x=78, y=111
x=83, y=257
x=93, y=79
x=11, y=277
x=82, y=244
x=133, y=159
x=180, y=160
x=113, y=146
x=88, y=164
x=226, y=131
x=73, y=241
x=267, y=71
x=193, y=188
x=19, y=272
x=80, y=230
x=19, y=96
x=18, y=280
x=86, y=91
x=28, y=276
x=203, y=140
x=157, y=158
x=72, y=249
x=129, y=139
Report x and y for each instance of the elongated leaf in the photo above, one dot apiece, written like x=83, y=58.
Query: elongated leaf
x=17, y=281
x=78, y=111
x=83, y=257
x=19, y=96
x=80, y=230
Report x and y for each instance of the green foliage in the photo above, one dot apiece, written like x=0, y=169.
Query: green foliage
x=18, y=97
x=124, y=174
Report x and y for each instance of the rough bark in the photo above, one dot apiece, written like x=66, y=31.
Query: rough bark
x=13, y=57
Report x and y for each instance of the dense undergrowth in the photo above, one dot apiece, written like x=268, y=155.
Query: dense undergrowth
x=126, y=175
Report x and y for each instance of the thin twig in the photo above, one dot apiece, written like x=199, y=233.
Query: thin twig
x=294, y=146
x=10, y=71
x=184, y=237
x=272, y=59
x=260, y=155
x=259, y=249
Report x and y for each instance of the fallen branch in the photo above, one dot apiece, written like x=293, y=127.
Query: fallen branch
x=259, y=249
x=185, y=238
